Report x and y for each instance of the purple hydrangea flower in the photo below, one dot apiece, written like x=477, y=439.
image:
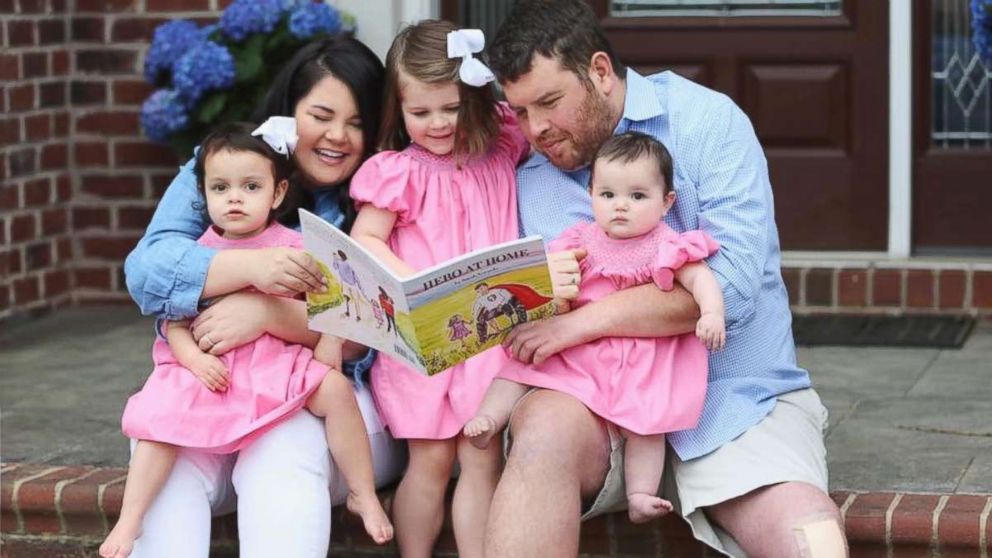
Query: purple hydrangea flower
x=311, y=18
x=981, y=28
x=170, y=41
x=163, y=114
x=204, y=68
x=244, y=17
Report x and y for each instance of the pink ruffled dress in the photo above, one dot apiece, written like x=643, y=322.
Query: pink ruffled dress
x=269, y=380
x=442, y=212
x=645, y=385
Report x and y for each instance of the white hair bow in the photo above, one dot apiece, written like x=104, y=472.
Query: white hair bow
x=279, y=132
x=463, y=43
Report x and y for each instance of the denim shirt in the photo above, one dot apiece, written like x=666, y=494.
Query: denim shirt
x=166, y=271
x=722, y=187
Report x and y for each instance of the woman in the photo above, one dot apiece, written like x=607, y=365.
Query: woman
x=333, y=88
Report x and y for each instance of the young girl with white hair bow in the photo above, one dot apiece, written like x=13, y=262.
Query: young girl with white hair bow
x=220, y=404
x=443, y=185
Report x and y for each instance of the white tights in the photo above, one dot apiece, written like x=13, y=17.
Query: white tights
x=279, y=486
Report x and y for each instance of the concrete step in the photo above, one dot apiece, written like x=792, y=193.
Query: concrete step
x=64, y=511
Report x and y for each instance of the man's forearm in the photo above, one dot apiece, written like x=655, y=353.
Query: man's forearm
x=642, y=311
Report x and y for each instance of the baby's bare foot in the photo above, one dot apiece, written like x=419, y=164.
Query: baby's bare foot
x=120, y=541
x=480, y=430
x=642, y=508
x=376, y=522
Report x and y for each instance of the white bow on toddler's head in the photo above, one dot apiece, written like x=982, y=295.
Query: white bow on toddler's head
x=280, y=133
x=462, y=44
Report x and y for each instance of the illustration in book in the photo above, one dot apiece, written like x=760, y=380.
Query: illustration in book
x=432, y=320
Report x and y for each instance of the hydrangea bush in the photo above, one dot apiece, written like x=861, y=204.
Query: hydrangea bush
x=217, y=73
x=981, y=29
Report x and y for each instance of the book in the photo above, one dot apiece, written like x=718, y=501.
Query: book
x=437, y=318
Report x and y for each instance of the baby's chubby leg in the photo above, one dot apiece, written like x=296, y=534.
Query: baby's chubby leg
x=149, y=469
x=494, y=412
x=348, y=441
x=644, y=463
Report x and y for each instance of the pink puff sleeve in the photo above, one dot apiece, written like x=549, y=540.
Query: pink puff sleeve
x=569, y=239
x=678, y=250
x=511, y=140
x=384, y=182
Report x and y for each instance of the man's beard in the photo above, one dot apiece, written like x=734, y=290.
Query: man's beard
x=597, y=126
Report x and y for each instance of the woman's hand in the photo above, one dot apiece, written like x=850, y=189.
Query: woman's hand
x=231, y=322
x=285, y=272
x=565, y=274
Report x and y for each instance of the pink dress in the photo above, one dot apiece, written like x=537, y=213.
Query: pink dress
x=269, y=380
x=442, y=211
x=645, y=385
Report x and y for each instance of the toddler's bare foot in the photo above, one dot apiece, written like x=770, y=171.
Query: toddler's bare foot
x=644, y=507
x=120, y=541
x=376, y=522
x=480, y=430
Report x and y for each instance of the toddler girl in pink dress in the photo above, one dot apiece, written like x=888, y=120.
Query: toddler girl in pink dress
x=194, y=399
x=444, y=185
x=644, y=386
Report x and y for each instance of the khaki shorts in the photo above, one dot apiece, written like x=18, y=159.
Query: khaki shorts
x=787, y=445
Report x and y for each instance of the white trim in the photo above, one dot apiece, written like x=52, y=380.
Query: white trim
x=900, y=128
x=378, y=21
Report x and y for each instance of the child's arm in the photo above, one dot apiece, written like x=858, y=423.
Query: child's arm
x=208, y=368
x=700, y=281
x=372, y=229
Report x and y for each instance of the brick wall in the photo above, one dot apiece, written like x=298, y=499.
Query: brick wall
x=79, y=182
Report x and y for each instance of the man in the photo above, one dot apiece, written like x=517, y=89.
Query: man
x=751, y=477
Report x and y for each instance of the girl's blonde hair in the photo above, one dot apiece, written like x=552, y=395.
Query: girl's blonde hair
x=421, y=52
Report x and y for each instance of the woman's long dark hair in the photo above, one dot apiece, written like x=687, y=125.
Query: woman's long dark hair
x=348, y=60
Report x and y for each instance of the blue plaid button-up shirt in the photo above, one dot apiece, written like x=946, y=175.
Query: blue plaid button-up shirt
x=722, y=187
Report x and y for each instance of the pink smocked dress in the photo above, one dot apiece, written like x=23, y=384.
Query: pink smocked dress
x=645, y=385
x=442, y=212
x=269, y=380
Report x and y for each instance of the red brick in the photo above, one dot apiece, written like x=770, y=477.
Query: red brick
x=20, y=33
x=57, y=6
x=819, y=287
x=38, y=127
x=51, y=31
x=177, y=5
x=128, y=92
x=136, y=29
x=37, y=192
x=22, y=97
x=87, y=29
x=54, y=221
x=134, y=217
x=91, y=154
x=109, y=123
x=113, y=187
x=112, y=497
x=852, y=287
x=36, y=500
x=160, y=183
x=54, y=157
x=143, y=154
x=90, y=218
x=32, y=6
x=23, y=162
x=7, y=6
x=38, y=256
x=63, y=189
x=60, y=62
x=887, y=287
x=56, y=283
x=6, y=517
x=52, y=95
x=106, y=61
x=109, y=247
x=919, y=288
x=64, y=249
x=34, y=64
x=981, y=283
x=10, y=131
x=8, y=197
x=791, y=278
x=61, y=124
x=79, y=502
x=88, y=93
x=959, y=521
x=93, y=278
x=10, y=67
x=639, y=540
x=22, y=228
x=105, y=5
x=15, y=261
x=912, y=520
x=26, y=290
x=865, y=519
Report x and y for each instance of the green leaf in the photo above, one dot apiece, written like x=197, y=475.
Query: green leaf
x=248, y=66
x=211, y=107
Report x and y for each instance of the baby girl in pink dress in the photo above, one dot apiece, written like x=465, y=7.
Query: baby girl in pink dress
x=644, y=386
x=444, y=185
x=194, y=399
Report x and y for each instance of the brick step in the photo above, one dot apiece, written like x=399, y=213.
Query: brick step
x=49, y=511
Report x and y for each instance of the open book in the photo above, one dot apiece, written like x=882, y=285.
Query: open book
x=432, y=320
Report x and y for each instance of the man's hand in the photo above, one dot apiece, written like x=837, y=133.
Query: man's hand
x=286, y=272
x=231, y=322
x=565, y=274
x=329, y=350
x=711, y=330
x=210, y=370
x=534, y=342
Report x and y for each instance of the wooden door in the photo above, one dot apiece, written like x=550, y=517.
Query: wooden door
x=952, y=170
